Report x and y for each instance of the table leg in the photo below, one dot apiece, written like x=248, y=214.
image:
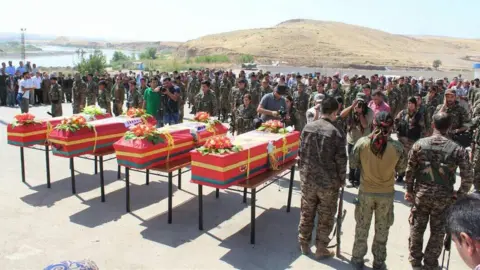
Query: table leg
x=119, y=172
x=72, y=175
x=127, y=187
x=147, y=177
x=290, y=187
x=47, y=165
x=244, y=195
x=217, y=193
x=102, y=180
x=252, y=219
x=179, y=178
x=96, y=164
x=170, y=191
x=22, y=163
x=200, y=207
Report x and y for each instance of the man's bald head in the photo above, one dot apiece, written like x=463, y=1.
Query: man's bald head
x=442, y=122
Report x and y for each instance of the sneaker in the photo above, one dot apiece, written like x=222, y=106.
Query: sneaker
x=324, y=253
x=305, y=249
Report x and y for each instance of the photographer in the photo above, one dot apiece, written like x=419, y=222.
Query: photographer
x=171, y=94
x=152, y=101
x=272, y=104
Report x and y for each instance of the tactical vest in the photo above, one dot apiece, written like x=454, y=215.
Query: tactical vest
x=404, y=130
x=438, y=172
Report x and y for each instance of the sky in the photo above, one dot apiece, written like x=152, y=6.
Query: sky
x=182, y=20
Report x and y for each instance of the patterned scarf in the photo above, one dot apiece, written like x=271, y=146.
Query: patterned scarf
x=379, y=137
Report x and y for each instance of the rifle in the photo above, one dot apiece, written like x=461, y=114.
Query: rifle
x=447, y=245
x=341, y=213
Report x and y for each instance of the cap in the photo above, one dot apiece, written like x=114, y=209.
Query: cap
x=402, y=78
x=450, y=92
x=281, y=90
x=361, y=97
x=366, y=86
x=242, y=81
x=319, y=97
x=53, y=78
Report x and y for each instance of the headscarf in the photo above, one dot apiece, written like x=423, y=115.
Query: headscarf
x=379, y=137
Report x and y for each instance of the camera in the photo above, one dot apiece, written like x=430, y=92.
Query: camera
x=163, y=89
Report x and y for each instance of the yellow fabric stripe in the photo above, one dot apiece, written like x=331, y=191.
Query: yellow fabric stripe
x=87, y=139
x=141, y=155
x=230, y=167
x=26, y=134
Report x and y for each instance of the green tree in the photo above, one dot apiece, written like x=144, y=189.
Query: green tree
x=246, y=58
x=149, y=53
x=96, y=62
x=436, y=64
x=119, y=56
x=133, y=56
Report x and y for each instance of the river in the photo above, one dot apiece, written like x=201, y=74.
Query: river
x=58, y=56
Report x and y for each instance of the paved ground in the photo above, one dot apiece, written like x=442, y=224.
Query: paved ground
x=40, y=226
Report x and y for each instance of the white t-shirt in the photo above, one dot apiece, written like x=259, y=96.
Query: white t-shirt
x=37, y=82
x=25, y=84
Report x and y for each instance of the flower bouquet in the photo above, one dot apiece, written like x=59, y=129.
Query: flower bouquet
x=144, y=147
x=273, y=126
x=95, y=113
x=73, y=124
x=221, y=163
x=25, y=130
x=206, y=128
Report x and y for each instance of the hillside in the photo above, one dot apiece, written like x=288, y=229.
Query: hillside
x=322, y=43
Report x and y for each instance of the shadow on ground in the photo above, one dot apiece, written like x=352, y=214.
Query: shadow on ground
x=184, y=227
x=62, y=189
x=114, y=206
x=276, y=233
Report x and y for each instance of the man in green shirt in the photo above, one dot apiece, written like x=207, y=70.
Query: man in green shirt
x=152, y=101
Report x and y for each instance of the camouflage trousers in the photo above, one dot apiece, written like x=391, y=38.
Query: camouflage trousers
x=476, y=167
x=301, y=120
x=382, y=205
x=78, y=104
x=321, y=202
x=181, y=112
x=91, y=100
x=56, y=109
x=117, y=108
x=427, y=208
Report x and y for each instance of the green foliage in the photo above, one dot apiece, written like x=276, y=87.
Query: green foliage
x=96, y=62
x=149, y=53
x=154, y=137
x=436, y=64
x=133, y=56
x=212, y=59
x=246, y=58
x=119, y=56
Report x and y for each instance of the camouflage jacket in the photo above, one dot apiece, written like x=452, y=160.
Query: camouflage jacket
x=92, y=88
x=392, y=99
x=225, y=90
x=244, y=118
x=430, y=108
x=103, y=100
x=55, y=93
x=135, y=99
x=256, y=92
x=216, y=86
x=458, y=114
x=79, y=88
x=236, y=98
x=296, y=86
x=118, y=93
x=335, y=92
x=193, y=87
x=300, y=101
x=206, y=102
x=323, y=157
x=350, y=95
x=473, y=95
x=432, y=163
x=265, y=90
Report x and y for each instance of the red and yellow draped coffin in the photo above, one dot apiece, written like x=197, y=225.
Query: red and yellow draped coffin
x=98, y=137
x=143, y=154
x=260, y=151
x=201, y=132
x=36, y=132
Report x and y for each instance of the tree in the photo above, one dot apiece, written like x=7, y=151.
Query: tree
x=133, y=57
x=149, y=53
x=436, y=64
x=96, y=62
x=119, y=56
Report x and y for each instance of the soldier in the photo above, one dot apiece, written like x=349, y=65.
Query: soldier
x=206, y=100
x=56, y=98
x=193, y=88
x=118, y=96
x=320, y=90
x=225, y=92
x=60, y=82
x=299, y=84
x=92, y=90
x=458, y=114
x=67, y=88
x=255, y=90
x=391, y=97
x=335, y=91
x=402, y=88
x=409, y=124
x=473, y=93
x=216, y=88
x=265, y=88
x=236, y=98
x=244, y=115
x=183, y=96
x=135, y=98
x=322, y=165
x=378, y=157
x=104, y=97
x=79, y=91
x=430, y=178
x=300, y=103
x=350, y=92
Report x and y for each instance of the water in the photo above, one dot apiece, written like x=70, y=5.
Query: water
x=68, y=57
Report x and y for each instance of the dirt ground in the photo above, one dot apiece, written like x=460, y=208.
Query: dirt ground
x=41, y=226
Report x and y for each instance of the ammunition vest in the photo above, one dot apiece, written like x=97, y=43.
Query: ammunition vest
x=438, y=172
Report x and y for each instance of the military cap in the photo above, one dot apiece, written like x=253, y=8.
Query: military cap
x=319, y=97
x=450, y=92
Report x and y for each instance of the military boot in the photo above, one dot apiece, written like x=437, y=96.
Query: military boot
x=357, y=265
x=323, y=253
x=305, y=249
x=379, y=266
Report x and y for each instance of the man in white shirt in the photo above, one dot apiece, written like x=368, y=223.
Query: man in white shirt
x=37, y=83
x=25, y=86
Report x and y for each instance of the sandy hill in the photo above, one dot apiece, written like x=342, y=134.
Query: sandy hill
x=323, y=43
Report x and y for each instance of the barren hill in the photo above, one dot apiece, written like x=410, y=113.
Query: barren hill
x=323, y=43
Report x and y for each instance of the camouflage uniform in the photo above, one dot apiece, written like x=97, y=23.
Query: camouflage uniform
x=216, y=89
x=322, y=165
x=67, y=87
x=135, y=99
x=244, y=118
x=118, y=97
x=265, y=90
x=256, y=92
x=458, y=115
x=403, y=91
x=392, y=98
x=430, y=108
x=92, y=91
x=236, y=98
x=335, y=92
x=79, y=90
x=181, y=101
x=56, y=98
x=350, y=95
x=206, y=102
x=473, y=96
x=193, y=89
x=430, y=177
x=369, y=203
x=103, y=100
x=300, y=102
x=476, y=150
x=295, y=88
x=225, y=92
x=410, y=128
